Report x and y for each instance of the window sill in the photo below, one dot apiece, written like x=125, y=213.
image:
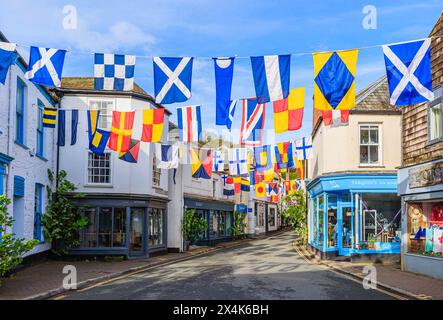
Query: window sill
x=371, y=166
x=434, y=142
x=41, y=157
x=98, y=185
x=21, y=145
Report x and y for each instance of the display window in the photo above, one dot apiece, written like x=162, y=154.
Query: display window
x=425, y=228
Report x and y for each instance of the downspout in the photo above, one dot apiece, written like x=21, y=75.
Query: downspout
x=9, y=144
x=57, y=159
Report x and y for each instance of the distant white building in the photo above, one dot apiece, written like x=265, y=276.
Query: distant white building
x=127, y=202
x=27, y=152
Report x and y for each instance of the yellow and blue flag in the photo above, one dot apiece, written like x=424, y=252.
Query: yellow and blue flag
x=334, y=80
x=98, y=138
x=49, y=117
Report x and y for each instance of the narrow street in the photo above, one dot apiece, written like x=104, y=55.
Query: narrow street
x=262, y=269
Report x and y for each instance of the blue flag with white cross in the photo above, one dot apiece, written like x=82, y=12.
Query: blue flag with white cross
x=45, y=66
x=408, y=68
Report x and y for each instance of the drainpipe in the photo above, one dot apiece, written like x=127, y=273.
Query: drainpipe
x=9, y=144
x=57, y=159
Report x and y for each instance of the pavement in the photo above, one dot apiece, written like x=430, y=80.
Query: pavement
x=262, y=269
x=389, y=277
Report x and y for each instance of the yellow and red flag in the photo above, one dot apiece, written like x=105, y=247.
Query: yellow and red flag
x=288, y=113
x=121, y=131
x=153, y=123
x=260, y=190
x=300, y=171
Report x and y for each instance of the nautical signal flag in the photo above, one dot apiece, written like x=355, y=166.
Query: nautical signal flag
x=272, y=189
x=61, y=135
x=260, y=190
x=253, y=121
x=303, y=148
x=245, y=185
x=224, y=71
x=300, y=170
x=263, y=158
x=121, y=131
x=8, y=56
x=288, y=113
x=189, y=123
x=284, y=156
x=408, y=69
x=335, y=118
x=334, y=79
x=201, y=169
x=45, y=66
x=218, y=161
x=271, y=77
x=98, y=138
x=153, y=123
x=167, y=156
x=132, y=154
x=49, y=117
x=238, y=161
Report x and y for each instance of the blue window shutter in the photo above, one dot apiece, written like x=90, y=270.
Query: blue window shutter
x=38, y=208
x=19, y=186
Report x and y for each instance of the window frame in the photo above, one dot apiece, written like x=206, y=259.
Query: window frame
x=379, y=163
x=156, y=173
x=40, y=132
x=38, y=212
x=95, y=100
x=438, y=99
x=99, y=184
x=20, y=126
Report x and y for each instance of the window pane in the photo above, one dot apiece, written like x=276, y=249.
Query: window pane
x=436, y=122
x=99, y=168
x=119, y=232
x=374, y=135
x=364, y=135
x=363, y=154
x=88, y=236
x=373, y=155
x=105, y=228
x=320, y=220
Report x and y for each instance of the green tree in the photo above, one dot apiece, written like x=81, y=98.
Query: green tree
x=12, y=249
x=62, y=220
x=193, y=225
x=294, y=213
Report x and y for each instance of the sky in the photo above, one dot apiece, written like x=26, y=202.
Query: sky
x=205, y=29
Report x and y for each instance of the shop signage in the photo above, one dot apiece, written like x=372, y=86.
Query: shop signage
x=427, y=175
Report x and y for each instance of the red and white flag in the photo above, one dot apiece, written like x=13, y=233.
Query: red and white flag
x=335, y=118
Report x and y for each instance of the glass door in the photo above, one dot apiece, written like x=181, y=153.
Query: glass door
x=136, y=231
x=347, y=227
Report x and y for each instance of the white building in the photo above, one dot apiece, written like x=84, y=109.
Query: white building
x=127, y=202
x=27, y=152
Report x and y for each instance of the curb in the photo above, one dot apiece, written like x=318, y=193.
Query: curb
x=398, y=291
x=89, y=282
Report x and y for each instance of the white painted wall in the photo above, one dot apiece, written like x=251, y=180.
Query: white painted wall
x=126, y=178
x=337, y=149
x=26, y=165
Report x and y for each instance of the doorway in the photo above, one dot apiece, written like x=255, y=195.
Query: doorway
x=136, y=231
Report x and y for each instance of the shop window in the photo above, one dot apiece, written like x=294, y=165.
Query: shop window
x=203, y=214
x=222, y=223
x=40, y=132
x=229, y=218
x=425, y=228
x=99, y=168
x=435, y=117
x=369, y=145
x=320, y=220
x=213, y=227
x=88, y=235
x=105, y=227
x=119, y=228
x=332, y=221
x=314, y=221
x=156, y=223
x=381, y=219
x=271, y=217
x=105, y=108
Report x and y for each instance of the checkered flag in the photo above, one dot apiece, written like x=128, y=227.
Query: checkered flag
x=114, y=72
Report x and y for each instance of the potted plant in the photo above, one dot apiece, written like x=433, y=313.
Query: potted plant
x=192, y=227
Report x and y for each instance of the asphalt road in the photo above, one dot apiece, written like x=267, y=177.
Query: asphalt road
x=262, y=269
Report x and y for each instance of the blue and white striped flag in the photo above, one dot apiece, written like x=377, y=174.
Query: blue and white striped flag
x=271, y=77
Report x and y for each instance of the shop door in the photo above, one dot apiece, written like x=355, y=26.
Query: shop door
x=136, y=243
x=346, y=230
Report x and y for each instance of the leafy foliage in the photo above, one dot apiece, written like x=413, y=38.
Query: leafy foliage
x=294, y=213
x=11, y=248
x=62, y=220
x=238, y=226
x=193, y=226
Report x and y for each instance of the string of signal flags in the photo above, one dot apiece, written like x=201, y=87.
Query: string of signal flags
x=408, y=72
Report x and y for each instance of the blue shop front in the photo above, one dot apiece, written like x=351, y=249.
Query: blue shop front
x=354, y=214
